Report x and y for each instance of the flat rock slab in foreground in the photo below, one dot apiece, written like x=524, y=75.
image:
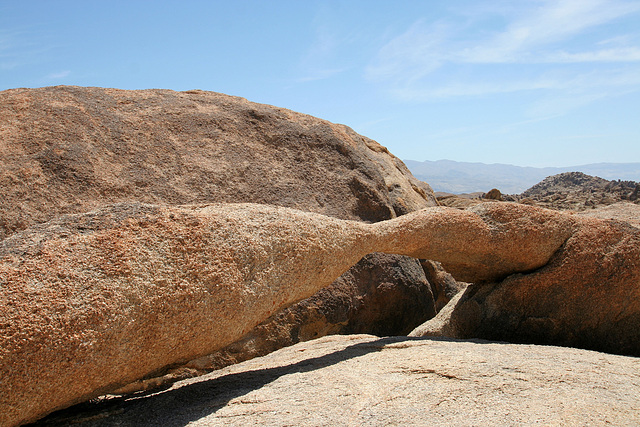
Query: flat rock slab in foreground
x=366, y=380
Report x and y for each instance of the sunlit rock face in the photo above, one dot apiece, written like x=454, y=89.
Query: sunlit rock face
x=92, y=302
x=72, y=149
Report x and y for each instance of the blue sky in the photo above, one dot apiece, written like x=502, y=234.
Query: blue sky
x=528, y=82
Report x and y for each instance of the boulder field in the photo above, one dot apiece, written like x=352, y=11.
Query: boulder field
x=578, y=191
x=92, y=302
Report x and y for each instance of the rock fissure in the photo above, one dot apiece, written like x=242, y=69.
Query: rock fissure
x=433, y=372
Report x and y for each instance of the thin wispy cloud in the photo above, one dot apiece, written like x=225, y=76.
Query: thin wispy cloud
x=413, y=54
x=454, y=58
x=318, y=62
x=364, y=126
x=21, y=46
x=331, y=51
x=456, y=89
x=607, y=80
x=509, y=127
x=627, y=54
x=9, y=65
x=314, y=74
x=589, y=136
x=586, y=89
x=58, y=75
x=7, y=50
x=543, y=24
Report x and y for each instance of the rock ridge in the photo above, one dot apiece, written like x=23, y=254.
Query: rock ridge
x=578, y=191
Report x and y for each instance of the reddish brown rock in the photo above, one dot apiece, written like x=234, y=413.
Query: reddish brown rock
x=383, y=294
x=623, y=211
x=493, y=194
x=72, y=149
x=482, y=244
x=91, y=302
x=94, y=301
x=634, y=196
x=587, y=296
x=461, y=201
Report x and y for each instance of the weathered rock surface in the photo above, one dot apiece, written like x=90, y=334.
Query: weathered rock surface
x=378, y=306
x=371, y=381
x=622, y=211
x=92, y=302
x=462, y=201
x=72, y=149
x=587, y=296
x=493, y=194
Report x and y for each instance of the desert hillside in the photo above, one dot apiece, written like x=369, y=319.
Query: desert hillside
x=572, y=191
x=578, y=191
x=449, y=176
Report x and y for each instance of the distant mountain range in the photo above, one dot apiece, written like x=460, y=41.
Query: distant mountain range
x=463, y=177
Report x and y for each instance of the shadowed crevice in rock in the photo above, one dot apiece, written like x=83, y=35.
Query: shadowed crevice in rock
x=443, y=286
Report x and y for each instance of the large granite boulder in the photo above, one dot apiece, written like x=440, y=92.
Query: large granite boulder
x=587, y=296
x=72, y=149
x=92, y=302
